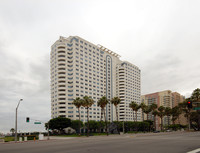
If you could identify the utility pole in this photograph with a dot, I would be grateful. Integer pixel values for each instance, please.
(16, 120)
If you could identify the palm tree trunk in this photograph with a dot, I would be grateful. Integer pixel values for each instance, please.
(88, 126)
(117, 119)
(79, 121)
(142, 116)
(136, 121)
(154, 122)
(133, 117)
(116, 113)
(168, 121)
(136, 115)
(105, 121)
(161, 123)
(147, 116)
(101, 120)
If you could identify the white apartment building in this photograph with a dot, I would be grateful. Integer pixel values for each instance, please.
(80, 68)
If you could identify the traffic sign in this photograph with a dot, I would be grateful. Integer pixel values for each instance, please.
(196, 108)
(37, 122)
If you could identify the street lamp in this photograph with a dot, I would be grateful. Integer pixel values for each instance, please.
(16, 120)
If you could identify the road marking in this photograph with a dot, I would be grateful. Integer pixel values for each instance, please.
(194, 151)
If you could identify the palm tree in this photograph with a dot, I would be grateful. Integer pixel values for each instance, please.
(155, 113)
(153, 107)
(87, 103)
(175, 112)
(134, 106)
(102, 102)
(161, 113)
(186, 110)
(116, 101)
(143, 106)
(12, 130)
(196, 95)
(78, 103)
(168, 112)
(196, 98)
(147, 110)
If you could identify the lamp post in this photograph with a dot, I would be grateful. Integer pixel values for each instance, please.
(16, 120)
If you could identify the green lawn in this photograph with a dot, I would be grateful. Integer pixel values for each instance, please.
(7, 139)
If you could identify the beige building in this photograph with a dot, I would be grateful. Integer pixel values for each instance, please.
(164, 98)
(80, 68)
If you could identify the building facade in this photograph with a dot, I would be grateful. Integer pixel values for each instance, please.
(165, 98)
(80, 68)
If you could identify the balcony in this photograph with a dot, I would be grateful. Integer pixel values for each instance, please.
(70, 82)
(61, 52)
(61, 60)
(62, 97)
(70, 53)
(62, 107)
(61, 55)
(61, 75)
(61, 81)
(61, 90)
(70, 65)
(61, 103)
(61, 87)
(70, 61)
(70, 78)
(70, 57)
(61, 47)
(62, 72)
(61, 112)
(61, 68)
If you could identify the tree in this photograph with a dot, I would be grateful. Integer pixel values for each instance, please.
(78, 103)
(12, 130)
(168, 112)
(153, 107)
(155, 113)
(102, 102)
(196, 98)
(186, 110)
(147, 110)
(116, 101)
(196, 95)
(175, 113)
(143, 107)
(100, 124)
(161, 113)
(59, 123)
(135, 107)
(87, 103)
(194, 120)
(77, 124)
(93, 125)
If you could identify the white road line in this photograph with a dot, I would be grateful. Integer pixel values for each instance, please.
(194, 151)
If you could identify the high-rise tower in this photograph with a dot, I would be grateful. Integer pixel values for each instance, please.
(80, 68)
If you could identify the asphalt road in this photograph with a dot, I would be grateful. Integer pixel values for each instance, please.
(147, 143)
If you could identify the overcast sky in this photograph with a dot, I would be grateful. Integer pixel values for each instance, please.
(161, 37)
